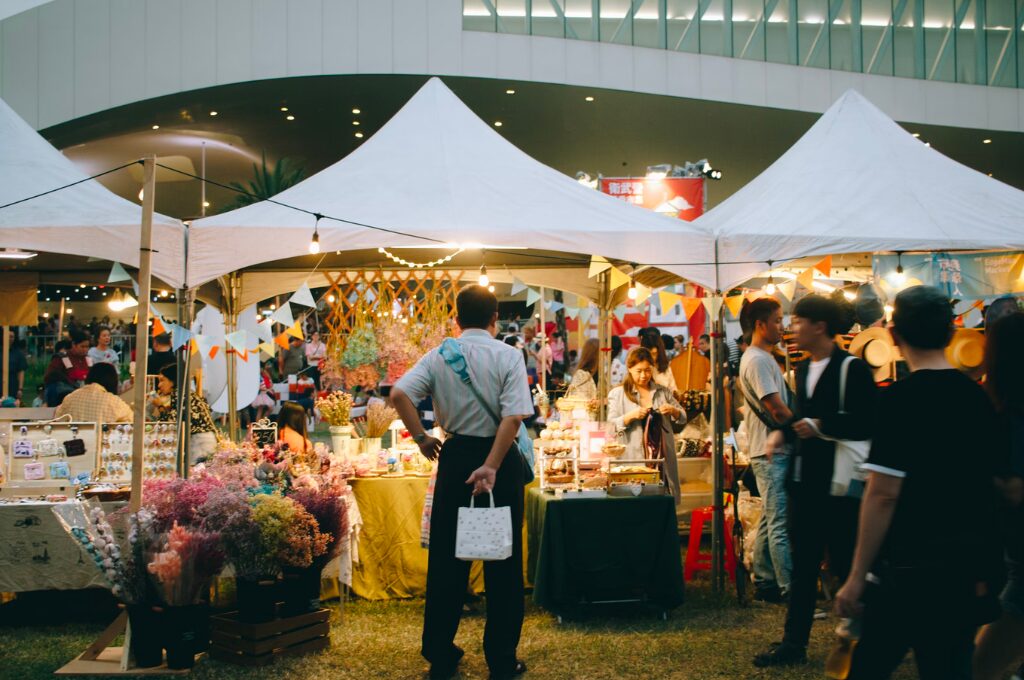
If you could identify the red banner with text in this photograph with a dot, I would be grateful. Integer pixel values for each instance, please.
(681, 197)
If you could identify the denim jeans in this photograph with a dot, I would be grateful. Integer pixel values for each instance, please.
(773, 564)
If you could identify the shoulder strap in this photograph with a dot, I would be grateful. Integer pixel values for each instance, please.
(844, 371)
(451, 352)
(757, 409)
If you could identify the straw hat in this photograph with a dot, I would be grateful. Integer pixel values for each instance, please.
(966, 351)
(876, 348)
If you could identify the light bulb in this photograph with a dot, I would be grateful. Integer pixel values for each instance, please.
(770, 288)
(331, 298)
(484, 280)
(314, 244)
(490, 289)
(632, 292)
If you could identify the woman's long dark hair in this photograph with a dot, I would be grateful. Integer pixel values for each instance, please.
(650, 338)
(636, 355)
(1004, 364)
(293, 416)
(589, 357)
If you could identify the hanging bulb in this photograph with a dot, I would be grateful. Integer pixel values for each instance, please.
(770, 287)
(632, 292)
(484, 280)
(314, 244)
(490, 288)
(898, 277)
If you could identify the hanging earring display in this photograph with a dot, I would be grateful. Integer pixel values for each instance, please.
(160, 451)
(23, 447)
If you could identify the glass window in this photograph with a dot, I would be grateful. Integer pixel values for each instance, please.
(777, 37)
(683, 32)
(511, 16)
(748, 29)
(812, 41)
(617, 21)
(477, 17)
(648, 26)
(966, 43)
(938, 41)
(904, 36)
(548, 18)
(711, 36)
(876, 36)
(841, 41)
(579, 20)
(1000, 39)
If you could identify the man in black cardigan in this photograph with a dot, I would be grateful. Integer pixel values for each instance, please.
(820, 521)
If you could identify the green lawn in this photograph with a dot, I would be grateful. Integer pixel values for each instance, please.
(708, 637)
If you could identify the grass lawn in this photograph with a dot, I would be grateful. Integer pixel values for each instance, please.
(708, 637)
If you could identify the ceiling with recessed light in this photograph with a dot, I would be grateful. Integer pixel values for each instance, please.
(316, 121)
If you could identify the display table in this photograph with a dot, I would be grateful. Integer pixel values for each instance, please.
(603, 550)
(37, 554)
(391, 563)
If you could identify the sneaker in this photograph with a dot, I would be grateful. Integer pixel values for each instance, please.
(820, 614)
(782, 655)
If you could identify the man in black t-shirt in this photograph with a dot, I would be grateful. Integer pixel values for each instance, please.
(162, 354)
(926, 551)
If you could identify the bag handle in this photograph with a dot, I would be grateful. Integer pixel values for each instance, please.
(451, 351)
(844, 370)
(472, 500)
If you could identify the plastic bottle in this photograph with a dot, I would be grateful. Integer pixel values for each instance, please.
(837, 666)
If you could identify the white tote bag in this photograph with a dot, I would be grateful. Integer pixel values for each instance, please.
(484, 533)
(848, 475)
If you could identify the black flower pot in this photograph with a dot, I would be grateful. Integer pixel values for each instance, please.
(185, 629)
(257, 600)
(146, 647)
(300, 591)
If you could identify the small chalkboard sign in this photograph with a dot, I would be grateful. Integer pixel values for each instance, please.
(263, 433)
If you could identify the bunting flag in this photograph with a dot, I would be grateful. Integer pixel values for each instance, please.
(735, 305)
(243, 354)
(268, 348)
(620, 312)
(585, 313)
(214, 350)
(713, 305)
(283, 315)
(642, 293)
(825, 266)
(572, 312)
(619, 277)
(754, 294)
(118, 273)
(668, 300)
(158, 325)
(788, 289)
(597, 265)
(206, 345)
(532, 295)
(265, 330)
(193, 346)
(135, 287)
(282, 340)
(296, 331)
(555, 306)
(237, 340)
(690, 305)
(517, 286)
(179, 336)
(303, 296)
(806, 279)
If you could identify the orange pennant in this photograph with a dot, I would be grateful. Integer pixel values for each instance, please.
(735, 305)
(806, 278)
(214, 350)
(194, 346)
(158, 326)
(243, 355)
(282, 340)
(825, 266)
(754, 294)
(690, 305)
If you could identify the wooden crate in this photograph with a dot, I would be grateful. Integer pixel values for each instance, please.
(258, 644)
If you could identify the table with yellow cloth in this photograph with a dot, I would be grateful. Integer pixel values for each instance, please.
(391, 562)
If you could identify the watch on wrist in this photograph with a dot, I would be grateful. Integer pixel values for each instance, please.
(420, 438)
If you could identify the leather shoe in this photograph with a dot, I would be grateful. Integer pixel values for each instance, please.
(785, 654)
(444, 671)
(518, 669)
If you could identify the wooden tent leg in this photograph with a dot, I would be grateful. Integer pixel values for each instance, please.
(118, 626)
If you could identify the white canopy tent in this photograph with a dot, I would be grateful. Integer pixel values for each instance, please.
(85, 220)
(858, 182)
(439, 175)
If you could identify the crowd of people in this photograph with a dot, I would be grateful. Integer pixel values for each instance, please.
(925, 534)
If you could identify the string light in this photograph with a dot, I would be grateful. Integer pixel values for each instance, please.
(484, 280)
(314, 244)
(770, 288)
(490, 288)
(419, 265)
(898, 277)
(632, 293)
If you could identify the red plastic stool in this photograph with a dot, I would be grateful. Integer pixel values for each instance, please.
(700, 561)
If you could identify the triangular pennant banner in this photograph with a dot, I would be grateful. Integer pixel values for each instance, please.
(283, 315)
(668, 300)
(532, 296)
(555, 306)
(806, 278)
(158, 325)
(237, 340)
(712, 305)
(265, 330)
(179, 336)
(206, 344)
(753, 295)
(118, 273)
(619, 277)
(243, 355)
(517, 286)
(296, 331)
(735, 305)
(282, 340)
(825, 266)
(268, 348)
(597, 265)
(788, 289)
(690, 305)
(214, 350)
(585, 314)
(620, 312)
(303, 296)
(193, 346)
(572, 312)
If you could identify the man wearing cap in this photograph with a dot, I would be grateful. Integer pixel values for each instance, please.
(478, 456)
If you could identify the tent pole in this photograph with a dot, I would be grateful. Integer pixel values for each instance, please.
(141, 329)
(7, 362)
(717, 422)
(230, 322)
(60, 321)
(184, 380)
(603, 341)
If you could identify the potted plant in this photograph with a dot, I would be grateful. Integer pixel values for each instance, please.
(379, 417)
(325, 504)
(336, 409)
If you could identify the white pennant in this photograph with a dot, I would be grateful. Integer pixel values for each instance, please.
(265, 330)
(572, 312)
(620, 312)
(283, 315)
(517, 286)
(303, 296)
(531, 296)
